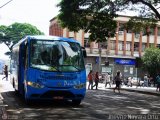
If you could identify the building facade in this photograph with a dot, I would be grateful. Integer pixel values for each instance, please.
(122, 51)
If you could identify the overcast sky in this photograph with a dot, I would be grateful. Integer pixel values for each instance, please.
(35, 12)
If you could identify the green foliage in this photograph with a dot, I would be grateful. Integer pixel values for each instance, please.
(92, 16)
(96, 16)
(151, 60)
(15, 32)
(137, 24)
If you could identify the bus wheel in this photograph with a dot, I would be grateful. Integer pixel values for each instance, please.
(76, 102)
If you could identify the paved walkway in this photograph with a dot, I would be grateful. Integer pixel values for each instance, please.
(144, 90)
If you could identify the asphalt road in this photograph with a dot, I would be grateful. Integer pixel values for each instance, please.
(97, 105)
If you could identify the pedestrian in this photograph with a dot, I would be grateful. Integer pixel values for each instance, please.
(117, 81)
(96, 80)
(158, 82)
(107, 79)
(90, 79)
(5, 70)
(129, 84)
(145, 81)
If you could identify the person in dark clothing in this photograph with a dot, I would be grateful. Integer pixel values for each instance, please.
(117, 81)
(96, 80)
(158, 82)
(5, 72)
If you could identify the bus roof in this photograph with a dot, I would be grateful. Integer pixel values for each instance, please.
(44, 37)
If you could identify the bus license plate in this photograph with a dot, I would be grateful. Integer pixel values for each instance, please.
(58, 98)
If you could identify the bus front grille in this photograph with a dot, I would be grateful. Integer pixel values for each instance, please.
(52, 94)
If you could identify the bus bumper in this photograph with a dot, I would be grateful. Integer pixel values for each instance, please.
(56, 93)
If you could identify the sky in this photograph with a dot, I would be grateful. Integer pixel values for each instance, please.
(34, 12)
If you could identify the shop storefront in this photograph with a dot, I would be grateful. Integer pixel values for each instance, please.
(126, 66)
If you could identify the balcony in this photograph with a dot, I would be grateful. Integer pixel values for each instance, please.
(95, 51)
(111, 53)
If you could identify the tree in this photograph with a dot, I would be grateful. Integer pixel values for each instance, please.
(13, 33)
(89, 15)
(151, 60)
(96, 16)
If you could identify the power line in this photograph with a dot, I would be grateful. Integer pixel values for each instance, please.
(6, 4)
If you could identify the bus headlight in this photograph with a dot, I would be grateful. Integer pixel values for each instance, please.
(34, 84)
(80, 86)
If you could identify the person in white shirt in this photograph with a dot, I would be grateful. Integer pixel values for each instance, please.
(107, 79)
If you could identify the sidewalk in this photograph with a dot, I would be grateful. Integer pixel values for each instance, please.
(3, 88)
(144, 90)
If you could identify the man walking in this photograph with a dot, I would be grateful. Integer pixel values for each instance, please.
(5, 72)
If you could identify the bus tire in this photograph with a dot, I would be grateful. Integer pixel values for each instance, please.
(76, 102)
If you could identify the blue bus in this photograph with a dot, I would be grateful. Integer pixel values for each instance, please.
(48, 68)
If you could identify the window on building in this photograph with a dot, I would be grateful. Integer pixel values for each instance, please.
(129, 31)
(137, 35)
(152, 31)
(112, 45)
(158, 46)
(158, 31)
(86, 42)
(104, 45)
(128, 46)
(144, 45)
(71, 37)
(120, 45)
(121, 29)
(151, 45)
(121, 26)
(136, 46)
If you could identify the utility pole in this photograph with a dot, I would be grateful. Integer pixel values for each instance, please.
(100, 51)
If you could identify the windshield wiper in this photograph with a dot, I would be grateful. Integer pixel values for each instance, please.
(56, 68)
(76, 67)
(72, 66)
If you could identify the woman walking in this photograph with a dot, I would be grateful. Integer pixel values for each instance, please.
(117, 81)
(90, 79)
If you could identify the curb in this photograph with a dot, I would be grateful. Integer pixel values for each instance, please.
(144, 92)
(140, 91)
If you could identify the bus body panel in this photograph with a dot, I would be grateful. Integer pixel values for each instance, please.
(73, 84)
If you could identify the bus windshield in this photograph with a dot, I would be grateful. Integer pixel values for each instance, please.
(56, 55)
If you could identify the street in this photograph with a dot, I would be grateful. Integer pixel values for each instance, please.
(97, 105)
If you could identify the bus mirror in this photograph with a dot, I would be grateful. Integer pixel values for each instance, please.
(84, 52)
